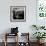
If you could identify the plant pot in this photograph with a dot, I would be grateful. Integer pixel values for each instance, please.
(40, 40)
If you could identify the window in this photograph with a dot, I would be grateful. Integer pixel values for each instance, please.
(41, 8)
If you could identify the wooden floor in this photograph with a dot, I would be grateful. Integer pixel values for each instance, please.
(13, 44)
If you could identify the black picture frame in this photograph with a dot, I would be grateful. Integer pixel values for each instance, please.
(17, 13)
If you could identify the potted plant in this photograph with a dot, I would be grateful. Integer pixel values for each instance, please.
(38, 27)
(39, 35)
(35, 26)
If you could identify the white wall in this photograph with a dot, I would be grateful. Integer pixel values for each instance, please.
(5, 23)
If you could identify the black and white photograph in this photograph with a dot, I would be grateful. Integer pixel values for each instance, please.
(17, 13)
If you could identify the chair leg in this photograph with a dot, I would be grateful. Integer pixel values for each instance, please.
(5, 43)
(5, 40)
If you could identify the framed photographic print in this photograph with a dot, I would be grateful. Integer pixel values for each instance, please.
(17, 13)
